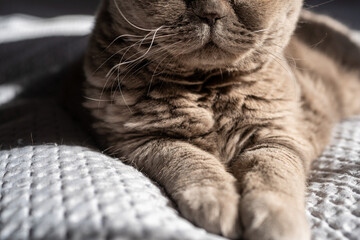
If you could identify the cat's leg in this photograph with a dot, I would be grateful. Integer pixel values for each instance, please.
(272, 186)
(203, 190)
(331, 37)
(326, 42)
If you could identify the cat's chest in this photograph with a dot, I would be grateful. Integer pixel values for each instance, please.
(217, 120)
(232, 119)
(198, 113)
(231, 107)
(222, 107)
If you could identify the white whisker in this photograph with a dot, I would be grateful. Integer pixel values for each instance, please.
(133, 25)
(121, 36)
(141, 57)
(261, 30)
(97, 100)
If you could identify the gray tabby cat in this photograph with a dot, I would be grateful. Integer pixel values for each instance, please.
(222, 103)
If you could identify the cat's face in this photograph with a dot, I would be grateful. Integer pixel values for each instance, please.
(212, 33)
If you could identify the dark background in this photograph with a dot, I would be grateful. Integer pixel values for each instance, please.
(348, 11)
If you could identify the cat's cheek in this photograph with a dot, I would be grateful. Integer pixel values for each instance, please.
(170, 11)
(161, 12)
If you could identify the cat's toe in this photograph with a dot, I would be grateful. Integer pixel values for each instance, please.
(212, 208)
(271, 216)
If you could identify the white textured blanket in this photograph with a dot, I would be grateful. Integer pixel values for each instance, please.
(53, 187)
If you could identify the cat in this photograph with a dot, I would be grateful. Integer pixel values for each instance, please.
(224, 103)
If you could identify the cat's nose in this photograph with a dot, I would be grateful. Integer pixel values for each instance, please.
(210, 17)
(210, 11)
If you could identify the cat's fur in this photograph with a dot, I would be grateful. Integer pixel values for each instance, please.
(220, 103)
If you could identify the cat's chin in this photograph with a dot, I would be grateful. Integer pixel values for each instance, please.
(209, 57)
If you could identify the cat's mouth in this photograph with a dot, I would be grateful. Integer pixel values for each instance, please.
(212, 36)
(217, 43)
(211, 45)
(213, 48)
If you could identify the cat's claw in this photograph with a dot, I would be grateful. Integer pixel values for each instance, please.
(213, 208)
(268, 216)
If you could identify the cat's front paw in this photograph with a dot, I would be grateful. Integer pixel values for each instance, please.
(213, 208)
(271, 216)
